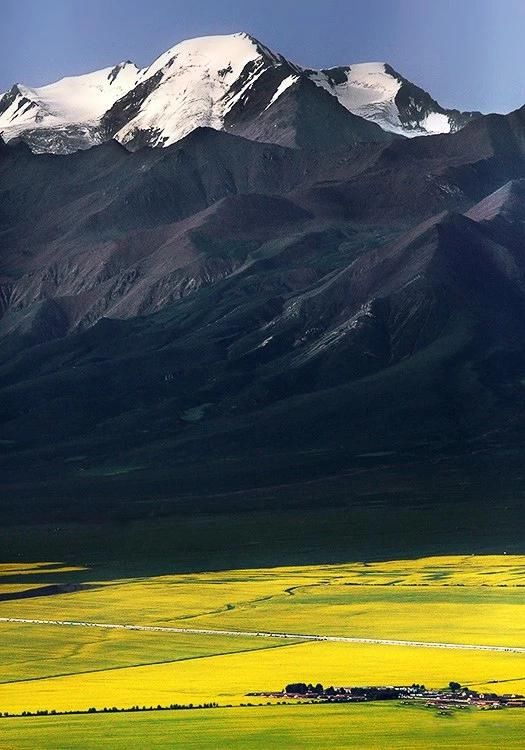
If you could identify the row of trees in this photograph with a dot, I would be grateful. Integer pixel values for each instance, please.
(112, 709)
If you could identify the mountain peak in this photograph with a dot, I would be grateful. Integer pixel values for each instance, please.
(201, 82)
(375, 91)
(212, 53)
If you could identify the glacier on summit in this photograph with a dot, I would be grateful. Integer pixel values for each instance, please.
(205, 82)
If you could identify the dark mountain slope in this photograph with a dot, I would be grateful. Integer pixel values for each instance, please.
(226, 316)
(81, 229)
(415, 347)
(411, 179)
(306, 116)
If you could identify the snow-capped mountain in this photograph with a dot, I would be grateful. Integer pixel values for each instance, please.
(64, 116)
(198, 83)
(376, 92)
(230, 82)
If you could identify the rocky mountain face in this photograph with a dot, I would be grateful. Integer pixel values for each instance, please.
(231, 83)
(226, 315)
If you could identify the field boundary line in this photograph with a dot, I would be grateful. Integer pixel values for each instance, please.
(161, 663)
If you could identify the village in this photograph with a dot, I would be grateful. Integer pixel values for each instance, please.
(455, 696)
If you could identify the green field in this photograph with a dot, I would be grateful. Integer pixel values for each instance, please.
(29, 652)
(457, 599)
(372, 528)
(227, 679)
(471, 599)
(370, 727)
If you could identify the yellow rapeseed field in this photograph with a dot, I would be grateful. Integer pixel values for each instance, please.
(32, 651)
(227, 679)
(40, 568)
(473, 600)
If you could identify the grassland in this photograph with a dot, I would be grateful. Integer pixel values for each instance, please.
(473, 599)
(366, 727)
(227, 679)
(30, 652)
(223, 536)
(11, 572)
(469, 599)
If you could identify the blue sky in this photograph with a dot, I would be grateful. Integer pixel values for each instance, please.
(468, 53)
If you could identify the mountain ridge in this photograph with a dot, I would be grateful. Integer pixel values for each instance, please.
(217, 324)
(219, 82)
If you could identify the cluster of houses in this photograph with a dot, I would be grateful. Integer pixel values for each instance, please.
(453, 697)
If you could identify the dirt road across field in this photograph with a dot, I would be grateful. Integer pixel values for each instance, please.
(265, 634)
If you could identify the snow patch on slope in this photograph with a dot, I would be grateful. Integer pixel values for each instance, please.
(436, 122)
(369, 90)
(366, 90)
(361, 85)
(282, 88)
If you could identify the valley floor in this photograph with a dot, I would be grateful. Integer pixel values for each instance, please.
(368, 727)
(194, 638)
